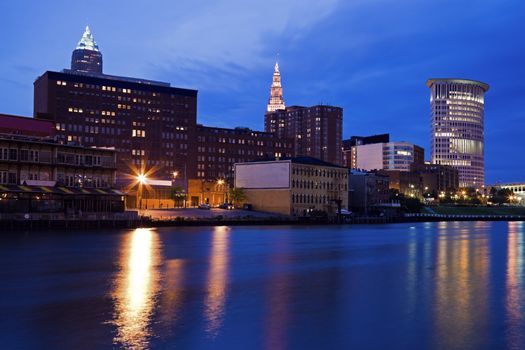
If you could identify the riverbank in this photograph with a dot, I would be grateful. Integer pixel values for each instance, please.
(220, 217)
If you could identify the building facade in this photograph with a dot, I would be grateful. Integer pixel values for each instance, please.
(367, 190)
(276, 101)
(437, 178)
(212, 192)
(293, 186)
(33, 160)
(316, 131)
(87, 57)
(150, 124)
(43, 179)
(218, 149)
(457, 127)
(399, 156)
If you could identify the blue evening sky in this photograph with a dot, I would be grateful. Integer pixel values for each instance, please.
(371, 57)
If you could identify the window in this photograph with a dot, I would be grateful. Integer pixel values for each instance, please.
(24, 155)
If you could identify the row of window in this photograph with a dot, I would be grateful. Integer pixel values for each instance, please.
(315, 185)
(311, 199)
(303, 171)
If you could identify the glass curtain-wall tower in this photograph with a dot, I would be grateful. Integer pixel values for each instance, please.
(457, 127)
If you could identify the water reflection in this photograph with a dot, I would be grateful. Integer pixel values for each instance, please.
(514, 284)
(279, 296)
(461, 307)
(217, 280)
(173, 295)
(136, 287)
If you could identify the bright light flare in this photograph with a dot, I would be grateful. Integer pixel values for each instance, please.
(141, 178)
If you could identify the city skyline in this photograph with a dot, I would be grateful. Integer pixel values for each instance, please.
(348, 74)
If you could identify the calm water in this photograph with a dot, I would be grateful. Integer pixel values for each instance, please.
(418, 286)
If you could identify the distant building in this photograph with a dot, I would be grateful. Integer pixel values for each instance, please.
(437, 178)
(87, 57)
(368, 191)
(457, 127)
(388, 156)
(219, 148)
(408, 183)
(276, 101)
(517, 187)
(365, 140)
(316, 130)
(293, 186)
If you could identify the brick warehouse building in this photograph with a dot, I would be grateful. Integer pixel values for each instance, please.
(316, 131)
(219, 148)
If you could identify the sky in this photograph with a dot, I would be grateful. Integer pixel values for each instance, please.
(370, 57)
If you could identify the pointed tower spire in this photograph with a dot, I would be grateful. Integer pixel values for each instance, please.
(276, 100)
(87, 57)
(87, 42)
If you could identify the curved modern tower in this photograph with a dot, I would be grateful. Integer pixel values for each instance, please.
(87, 57)
(457, 127)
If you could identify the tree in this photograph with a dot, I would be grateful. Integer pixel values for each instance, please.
(237, 195)
(500, 196)
(178, 195)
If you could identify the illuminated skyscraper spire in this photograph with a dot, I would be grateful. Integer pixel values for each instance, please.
(276, 100)
(87, 57)
(87, 42)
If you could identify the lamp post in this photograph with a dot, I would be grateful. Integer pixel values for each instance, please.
(141, 179)
(220, 182)
(174, 184)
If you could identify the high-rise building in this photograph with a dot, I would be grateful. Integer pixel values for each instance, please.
(150, 124)
(316, 130)
(276, 101)
(457, 127)
(87, 57)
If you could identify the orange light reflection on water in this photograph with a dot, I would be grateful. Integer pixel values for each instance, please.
(136, 287)
(217, 280)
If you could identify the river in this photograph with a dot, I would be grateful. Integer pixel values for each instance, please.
(449, 285)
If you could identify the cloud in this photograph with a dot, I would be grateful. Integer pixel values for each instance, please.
(233, 36)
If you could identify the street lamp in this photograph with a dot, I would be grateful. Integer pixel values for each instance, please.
(141, 179)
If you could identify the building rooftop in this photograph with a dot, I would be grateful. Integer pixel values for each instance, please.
(18, 125)
(484, 86)
(122, 82)
(299, 160)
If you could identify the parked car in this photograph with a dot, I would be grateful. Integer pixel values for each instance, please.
(346, 212)
(226, 206)
(205, 206)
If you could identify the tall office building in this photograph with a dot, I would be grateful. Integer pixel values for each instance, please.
(457, 127)
(316, 130)
(87, 57)
(150, 124)
(276, 101)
